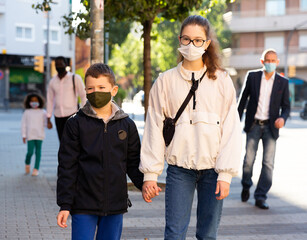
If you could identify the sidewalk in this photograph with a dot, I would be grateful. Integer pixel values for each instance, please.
(28, 204)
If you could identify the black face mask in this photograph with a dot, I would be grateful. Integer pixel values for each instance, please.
(99, 99)
(61, 70)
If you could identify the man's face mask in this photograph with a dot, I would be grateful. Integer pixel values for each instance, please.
(99, 99)
(269, 67)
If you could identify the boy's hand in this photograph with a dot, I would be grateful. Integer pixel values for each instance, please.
(150, 189)
(24, 140)
(222, 190)
(62, 218)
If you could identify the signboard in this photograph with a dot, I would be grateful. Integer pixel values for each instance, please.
(1, 74)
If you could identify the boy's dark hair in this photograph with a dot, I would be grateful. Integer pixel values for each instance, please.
(100, 69)
(27, 100)
(61, 58)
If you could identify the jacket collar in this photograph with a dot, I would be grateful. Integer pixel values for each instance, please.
(187, 74)
(89, 111)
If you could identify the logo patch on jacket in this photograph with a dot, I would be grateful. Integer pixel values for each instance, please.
(122, 134)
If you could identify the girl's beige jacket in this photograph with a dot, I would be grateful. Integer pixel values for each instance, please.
(206, 137)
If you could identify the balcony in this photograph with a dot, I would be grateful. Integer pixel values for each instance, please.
(249, 58)
(256, 21)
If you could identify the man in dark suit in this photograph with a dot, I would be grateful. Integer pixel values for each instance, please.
(268, 108)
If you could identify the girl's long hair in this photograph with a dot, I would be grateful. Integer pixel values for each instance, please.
(211, 57)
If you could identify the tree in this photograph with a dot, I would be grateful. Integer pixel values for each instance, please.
(145, 12)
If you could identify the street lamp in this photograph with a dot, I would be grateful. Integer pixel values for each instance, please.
(287, 45)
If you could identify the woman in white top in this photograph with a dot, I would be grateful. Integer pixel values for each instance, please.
(204, 153)
(33, 123)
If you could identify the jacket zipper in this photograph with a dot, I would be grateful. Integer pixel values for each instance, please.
(106, 167)
(105, 128)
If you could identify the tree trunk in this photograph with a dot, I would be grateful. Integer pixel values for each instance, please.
(97, 31)
(147, 25)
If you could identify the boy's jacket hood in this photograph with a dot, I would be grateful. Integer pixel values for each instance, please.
(88, 110)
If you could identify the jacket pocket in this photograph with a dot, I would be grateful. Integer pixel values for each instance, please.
(208, 131)
(197, 138)
(206, 118)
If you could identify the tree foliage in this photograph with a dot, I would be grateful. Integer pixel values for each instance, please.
(146, 12)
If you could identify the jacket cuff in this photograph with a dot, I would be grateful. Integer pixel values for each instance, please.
(65, 208)
(150, 177)
(225, 177)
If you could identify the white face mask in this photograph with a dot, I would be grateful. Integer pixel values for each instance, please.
(190, 52)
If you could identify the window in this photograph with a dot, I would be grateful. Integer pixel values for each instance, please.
(275, 7)
(24, 32)
(303, 41)
(276, 42)
(54, 35)
(303, 5)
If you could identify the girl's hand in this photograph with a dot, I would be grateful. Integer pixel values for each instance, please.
(150, 189)
(62, 218)
(24, 140)
(222, 190)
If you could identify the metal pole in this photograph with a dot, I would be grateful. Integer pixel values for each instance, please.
(72, 46)
(287, 46)
(7, 88)
(47, 75)
(106, 54)
(97, 31)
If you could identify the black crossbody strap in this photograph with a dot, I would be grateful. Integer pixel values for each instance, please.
(73, 82)
(188, 98)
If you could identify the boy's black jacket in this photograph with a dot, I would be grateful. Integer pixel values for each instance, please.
(93, 161)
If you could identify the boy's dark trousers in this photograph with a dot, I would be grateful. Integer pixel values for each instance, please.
(60, 124)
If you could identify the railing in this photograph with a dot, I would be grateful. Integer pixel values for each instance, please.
(257, 51)
(262, 13)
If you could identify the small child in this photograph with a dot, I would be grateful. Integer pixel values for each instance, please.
(99, 146)
(32, 129)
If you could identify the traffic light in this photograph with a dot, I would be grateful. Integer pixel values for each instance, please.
(53, 69)
(39, 63)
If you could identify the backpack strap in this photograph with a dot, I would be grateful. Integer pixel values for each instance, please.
(73, 82)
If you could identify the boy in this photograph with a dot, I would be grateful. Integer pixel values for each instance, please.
(100, 144)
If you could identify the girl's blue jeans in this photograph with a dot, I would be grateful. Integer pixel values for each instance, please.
(108, 227)
(180, 188)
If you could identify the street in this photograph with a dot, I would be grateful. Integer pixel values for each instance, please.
(28, 204)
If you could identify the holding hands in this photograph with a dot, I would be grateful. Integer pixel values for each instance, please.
(150, 189)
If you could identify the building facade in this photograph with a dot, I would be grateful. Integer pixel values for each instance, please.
(260, 24)
(23, 35)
